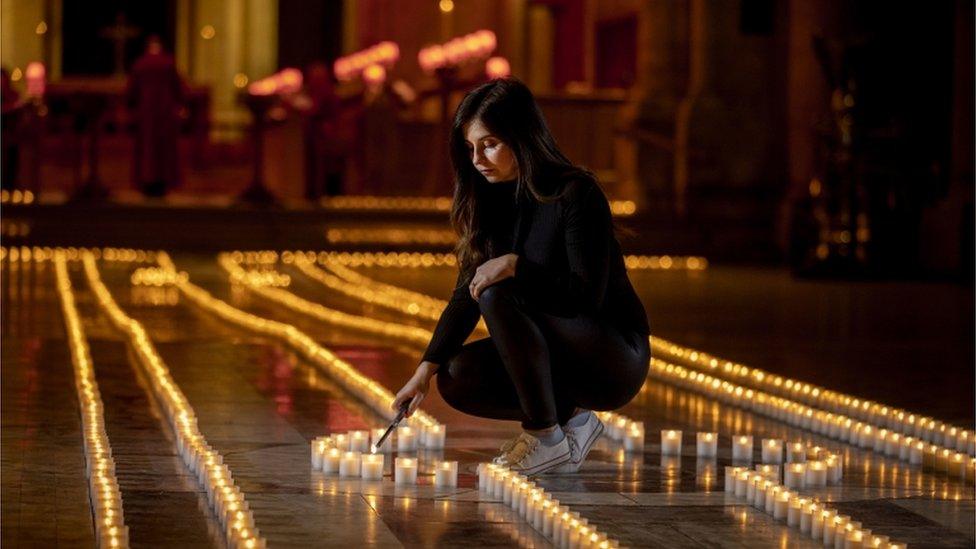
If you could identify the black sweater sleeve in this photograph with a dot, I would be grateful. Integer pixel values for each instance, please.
(588, 229)
(456, 323)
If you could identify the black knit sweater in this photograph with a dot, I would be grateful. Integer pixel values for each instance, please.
(569, 262)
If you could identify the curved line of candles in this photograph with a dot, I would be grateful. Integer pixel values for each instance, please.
(809, 516)
(371, 392)
(214, 476)
(320, 312)
(856, 434)
(887, 417)
(556, 521)
(103, 486)
(42, 254)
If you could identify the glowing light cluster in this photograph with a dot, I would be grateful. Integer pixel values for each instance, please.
(368, 293)
(226, 499)
(16, 196)
(285, 81)
(429, 204)
(457, 51)
(363, 387)
(388, 259)
(497, 67)
(665, 263)
(321, 313)
(556, 521)
(391, 236)
(380, 56)
(106, 498)
(885, 417)
(154, 276)
(42, 254)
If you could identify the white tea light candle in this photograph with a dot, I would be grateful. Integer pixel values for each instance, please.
(435, 437)
(707, 445)
(406, 439)
(330, 461)
(772, 450)
(445, 474)
(670, 442)
(634, 437)
(795, 475)
(372, 467)
(349, 465)
(742, 446)
(405, 471)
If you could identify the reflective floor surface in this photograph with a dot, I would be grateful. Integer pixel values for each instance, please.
(259, 406)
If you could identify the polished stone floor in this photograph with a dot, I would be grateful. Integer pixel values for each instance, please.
(907, 344)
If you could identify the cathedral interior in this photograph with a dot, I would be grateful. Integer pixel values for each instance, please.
(226, 242)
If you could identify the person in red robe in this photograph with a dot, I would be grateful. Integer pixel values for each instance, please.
(155, 93)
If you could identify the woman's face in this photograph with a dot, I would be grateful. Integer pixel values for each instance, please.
(490, 156)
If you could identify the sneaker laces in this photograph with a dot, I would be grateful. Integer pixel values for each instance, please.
(574, 447)
(522, 447)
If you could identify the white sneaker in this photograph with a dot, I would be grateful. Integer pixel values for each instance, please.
(501, 458)
(581, 440)
(527, 456)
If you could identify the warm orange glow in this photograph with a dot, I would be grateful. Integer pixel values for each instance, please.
(384, 54)
(374, 75)
(458, 50)
(35, 79)
(497, 67)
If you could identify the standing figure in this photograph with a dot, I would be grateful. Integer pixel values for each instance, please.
(540, 262)
(156, 93)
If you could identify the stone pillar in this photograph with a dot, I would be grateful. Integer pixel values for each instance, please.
(709, 118)
(649, 117)
(540, 49)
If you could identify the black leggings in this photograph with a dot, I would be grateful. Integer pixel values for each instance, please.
(537, 368)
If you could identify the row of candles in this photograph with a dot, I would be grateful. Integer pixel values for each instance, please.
(887, 417)
(226, 499)
(409, 438)
(346, 456)
(105, 495)
(413, 334)
(428, 204)
(931, 457)
(799, 473)
(435, 260)
(46, 253)
(368, 390)
(565, 528)
(762, 489)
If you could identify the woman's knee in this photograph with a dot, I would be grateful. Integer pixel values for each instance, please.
(495, 296)
(454, 381)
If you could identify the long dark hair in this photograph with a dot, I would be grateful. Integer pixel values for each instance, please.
(508, 110)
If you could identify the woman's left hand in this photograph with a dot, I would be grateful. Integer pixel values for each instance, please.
(490, 272)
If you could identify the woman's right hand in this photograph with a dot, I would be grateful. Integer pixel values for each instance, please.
(416, 388)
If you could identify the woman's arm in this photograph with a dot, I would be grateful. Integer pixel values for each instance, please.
(587, 237)
(455, 324)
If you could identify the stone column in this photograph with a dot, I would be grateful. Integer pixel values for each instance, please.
(648, 119)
